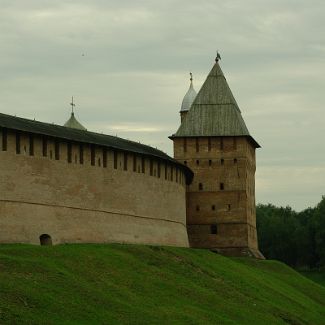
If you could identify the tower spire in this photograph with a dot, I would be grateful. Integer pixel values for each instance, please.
(72, 106)
(72, 122)
(188, 98)
(218, 56)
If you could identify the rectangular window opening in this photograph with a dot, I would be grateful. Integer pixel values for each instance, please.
(81, 154)
(31, 145)
(92, 155)
(222, 186)
(200, 186)
(213, 229)
(57, 150)
(18, 143)
(44, 147)
(125, 163)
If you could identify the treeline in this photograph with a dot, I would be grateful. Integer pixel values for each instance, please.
(297, 239)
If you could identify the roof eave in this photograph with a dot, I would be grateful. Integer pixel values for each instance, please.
(252, 140)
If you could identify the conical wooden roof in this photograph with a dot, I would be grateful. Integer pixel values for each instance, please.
(214, 111)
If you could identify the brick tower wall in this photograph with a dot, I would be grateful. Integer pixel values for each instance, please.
(221, 199)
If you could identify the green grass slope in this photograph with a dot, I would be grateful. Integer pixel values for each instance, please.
(317, 276)
(132, 284)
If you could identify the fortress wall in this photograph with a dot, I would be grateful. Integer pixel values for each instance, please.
(108, 197)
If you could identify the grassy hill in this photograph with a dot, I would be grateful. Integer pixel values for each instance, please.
(132, 284)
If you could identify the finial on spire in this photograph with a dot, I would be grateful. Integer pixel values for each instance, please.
(191, 74)
(72, 105)
(218, 57)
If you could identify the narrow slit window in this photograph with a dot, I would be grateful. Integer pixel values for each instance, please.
(222, 186)
(221, 144)
(222, 161)
(4, 139)
(210, 162)
(213, 229)
(125, 163)
(235, 161)
(57, 150)
(200, 186)
(92, 155)
(31, 145)
(44, 147)
(69, 152)
(197, 208)
(213, 207)
(81, 154)
(198, 162)
(229, 207)
(197, 145)
(18, 143)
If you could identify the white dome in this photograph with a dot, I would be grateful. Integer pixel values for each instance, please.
(188, 98)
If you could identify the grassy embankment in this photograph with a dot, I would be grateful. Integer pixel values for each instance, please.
(131, 284)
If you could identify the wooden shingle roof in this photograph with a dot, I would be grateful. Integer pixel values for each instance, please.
(214, 111)
(84, 136)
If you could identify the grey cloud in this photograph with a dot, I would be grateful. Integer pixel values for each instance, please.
(134, 71)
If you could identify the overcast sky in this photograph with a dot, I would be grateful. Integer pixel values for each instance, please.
(127, 65)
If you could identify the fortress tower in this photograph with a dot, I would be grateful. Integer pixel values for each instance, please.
(214, 142)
